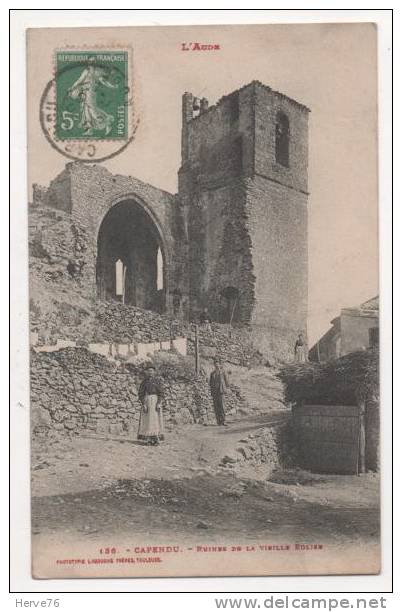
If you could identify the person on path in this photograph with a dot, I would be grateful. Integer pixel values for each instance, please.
(205, 320)
(150, 393)
(300, 349)
(218, 384)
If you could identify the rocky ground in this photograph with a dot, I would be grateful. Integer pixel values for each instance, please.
(205, 486)
(94, 483)
(197, 485)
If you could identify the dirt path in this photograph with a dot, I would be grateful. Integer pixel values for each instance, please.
(112, 488)
(260, 387)
(92, 462)
(212, 508)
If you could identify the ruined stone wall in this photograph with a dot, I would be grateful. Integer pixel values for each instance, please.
(219, 142)
(277, 224)
(240, 221)
(62, 304)
(39, 193)
(268, 104)
(54, 239)
(220, 253)
(59, 301)
(58, 194)
(218, 152)
(91, 191)
(248, 220)
(229, 256)
(77, 390)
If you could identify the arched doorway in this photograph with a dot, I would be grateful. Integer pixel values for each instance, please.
(130, 266)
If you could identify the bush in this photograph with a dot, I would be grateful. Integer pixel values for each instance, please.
(347, 380)
(173, 366)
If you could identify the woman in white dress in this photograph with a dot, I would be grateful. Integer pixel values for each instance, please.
(150, 393)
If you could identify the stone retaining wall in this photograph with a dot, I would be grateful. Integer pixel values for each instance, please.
(75, 390)
(271, 447)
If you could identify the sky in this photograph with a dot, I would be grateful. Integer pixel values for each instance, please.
(331, 68)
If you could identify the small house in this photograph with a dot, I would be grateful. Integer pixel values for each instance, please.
(353, 330)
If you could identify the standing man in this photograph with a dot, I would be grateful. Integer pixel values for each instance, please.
(218, 383)
(150, 394)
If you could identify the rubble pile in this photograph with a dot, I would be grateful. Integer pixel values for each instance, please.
(231, 344)
(271, 447)
(56, 244)
(59, 305)
(116, 322)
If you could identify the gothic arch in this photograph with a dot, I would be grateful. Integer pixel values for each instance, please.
(130, 232)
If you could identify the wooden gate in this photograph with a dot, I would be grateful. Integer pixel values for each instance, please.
(328, 438)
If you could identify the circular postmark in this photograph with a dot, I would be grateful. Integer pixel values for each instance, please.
(87, 109)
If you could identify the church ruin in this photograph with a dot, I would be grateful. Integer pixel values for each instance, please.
(234, 237)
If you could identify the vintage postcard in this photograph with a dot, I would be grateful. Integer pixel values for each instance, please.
(204, 301)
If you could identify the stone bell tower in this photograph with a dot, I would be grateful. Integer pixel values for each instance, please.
(243, 185)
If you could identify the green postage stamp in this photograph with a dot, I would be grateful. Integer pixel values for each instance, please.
(92, 95)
